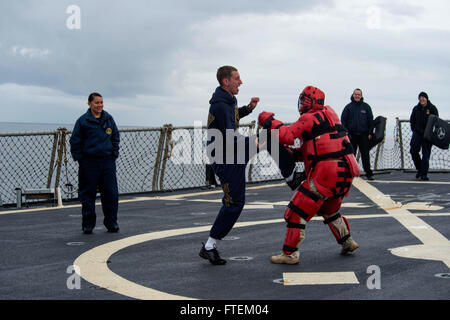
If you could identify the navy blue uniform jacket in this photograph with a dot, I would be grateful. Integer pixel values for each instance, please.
(357, 117)
(419, 117)
(95, 138)
(224, 114)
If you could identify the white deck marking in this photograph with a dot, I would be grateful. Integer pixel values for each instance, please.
(94, 268)
(138, 199)
(316, 278)
(408, 182)
(93, 265)
(435, 246)
(264, 205)
(422, 206)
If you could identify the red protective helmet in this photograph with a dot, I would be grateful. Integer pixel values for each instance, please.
(311, 98)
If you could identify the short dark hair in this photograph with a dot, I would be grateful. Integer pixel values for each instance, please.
(358, 90)
(224, 72)
(93, 95)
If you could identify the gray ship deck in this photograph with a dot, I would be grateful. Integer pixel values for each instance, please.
(402, 226)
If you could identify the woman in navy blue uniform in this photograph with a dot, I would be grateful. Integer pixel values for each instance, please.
(94, 144)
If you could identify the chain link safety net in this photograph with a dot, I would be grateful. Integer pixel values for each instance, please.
(159, 159)
(26, 159)
(439, 159)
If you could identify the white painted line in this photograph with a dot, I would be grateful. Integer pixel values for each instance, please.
(435, 246)
(48, 209)
(354, 205)
(317, 278)
(93, 265)
(94, 268)
(422, 206)
(409, 182)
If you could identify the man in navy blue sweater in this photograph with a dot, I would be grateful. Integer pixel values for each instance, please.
(418, 120)
(224, 116)
(94, 144)
(357, 118)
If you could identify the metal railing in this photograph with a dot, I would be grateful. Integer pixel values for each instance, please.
(149, 160)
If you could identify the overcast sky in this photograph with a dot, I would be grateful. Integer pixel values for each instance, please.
(155, 62)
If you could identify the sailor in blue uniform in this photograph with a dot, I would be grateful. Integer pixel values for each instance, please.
(224, 115)
(94, 144)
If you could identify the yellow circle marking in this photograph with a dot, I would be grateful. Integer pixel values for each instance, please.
(93, 263)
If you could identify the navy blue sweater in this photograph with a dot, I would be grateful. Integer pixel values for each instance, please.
(224, 114)
(419, 117)
(357, 117)
(95, 138)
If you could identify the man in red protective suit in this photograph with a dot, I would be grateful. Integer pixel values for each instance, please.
(330, 167)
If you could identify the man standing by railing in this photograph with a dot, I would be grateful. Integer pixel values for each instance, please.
(357, 118)
(418, 120)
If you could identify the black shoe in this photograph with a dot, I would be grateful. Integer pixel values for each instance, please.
(87, 230)
(113, 229)
(297, 180)
(211, 255)
(418, 176)
(371, 178)
(424, 178)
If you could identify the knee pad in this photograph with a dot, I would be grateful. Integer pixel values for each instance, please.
(339, 226)
(304, 204)
(295, 234)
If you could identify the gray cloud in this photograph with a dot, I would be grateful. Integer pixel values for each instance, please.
(122, 49)
(155, 61)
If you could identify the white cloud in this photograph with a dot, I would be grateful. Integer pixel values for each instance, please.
(279, 54)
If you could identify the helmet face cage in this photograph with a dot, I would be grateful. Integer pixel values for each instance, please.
(310, 98)
(304, 103)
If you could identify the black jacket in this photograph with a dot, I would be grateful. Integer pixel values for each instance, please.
(357, 117)
(419, 117)
(95, 138)
(224, 114)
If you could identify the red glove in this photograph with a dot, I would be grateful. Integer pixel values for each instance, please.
(264, 116)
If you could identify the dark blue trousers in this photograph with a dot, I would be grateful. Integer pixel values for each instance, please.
(422, 164)
(232, 180)
(99, 173)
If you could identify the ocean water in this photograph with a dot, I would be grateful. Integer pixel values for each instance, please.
(28, 127)
(24, 127)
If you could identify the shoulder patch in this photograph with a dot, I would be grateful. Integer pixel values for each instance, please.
(211, 118)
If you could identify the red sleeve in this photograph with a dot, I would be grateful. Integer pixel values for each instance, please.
(287, 134)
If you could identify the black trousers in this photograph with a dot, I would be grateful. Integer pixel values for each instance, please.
(362, 141)
(422, 164)
(99, 173)
(232, 180)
